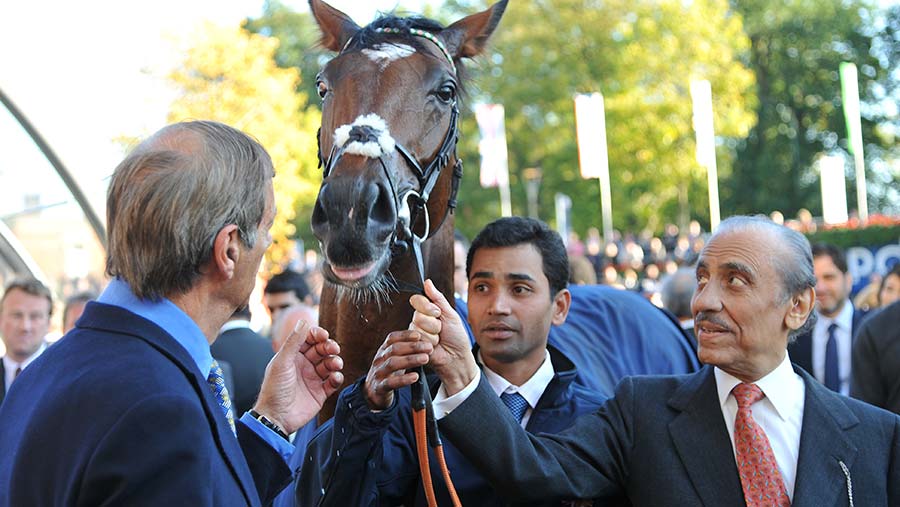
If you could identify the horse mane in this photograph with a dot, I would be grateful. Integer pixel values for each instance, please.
(369, 36)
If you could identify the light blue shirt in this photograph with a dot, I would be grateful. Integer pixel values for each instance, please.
(165, 314)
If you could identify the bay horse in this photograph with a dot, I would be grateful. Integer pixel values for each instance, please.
(387, 147)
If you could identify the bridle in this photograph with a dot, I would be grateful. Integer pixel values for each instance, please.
(404, 239)
(412, 203)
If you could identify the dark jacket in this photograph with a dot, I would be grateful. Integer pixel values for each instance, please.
(663, 441)
(876, 360)
(362, 458)
(117, 413)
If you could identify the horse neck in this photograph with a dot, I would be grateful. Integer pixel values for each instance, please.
(361, 327)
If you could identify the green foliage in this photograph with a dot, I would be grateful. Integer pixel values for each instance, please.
(642, 56)
(797, 46)
(847, 238)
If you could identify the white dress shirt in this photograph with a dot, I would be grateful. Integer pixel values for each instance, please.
(779, 414)
(531, 390)
(842, 334)
(10, 366)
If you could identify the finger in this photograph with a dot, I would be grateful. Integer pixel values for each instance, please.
(438, 299)
(328, 366)
(297, 336)
(393, 365)
(311, 337)
(425, 323)
(395, 382)
(322, 350)
(333, 383)
(424, 306)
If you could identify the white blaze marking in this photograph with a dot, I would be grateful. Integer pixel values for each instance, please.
(368, 149)
(384, 54)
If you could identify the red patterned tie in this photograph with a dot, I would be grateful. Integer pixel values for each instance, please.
(760, 478)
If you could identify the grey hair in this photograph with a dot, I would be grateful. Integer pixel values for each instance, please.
(794, 263)
(677, 291)
(171, 196)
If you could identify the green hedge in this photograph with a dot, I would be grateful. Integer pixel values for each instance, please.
(845, 238)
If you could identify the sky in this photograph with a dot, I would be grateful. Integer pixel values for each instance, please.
(86, 73)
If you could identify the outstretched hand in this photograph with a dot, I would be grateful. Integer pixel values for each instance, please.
(439, 323)
(305, 372)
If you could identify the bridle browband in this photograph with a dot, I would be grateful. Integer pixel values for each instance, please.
(404, 238)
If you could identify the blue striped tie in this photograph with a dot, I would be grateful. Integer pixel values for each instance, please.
(516, 404)
(216, 383)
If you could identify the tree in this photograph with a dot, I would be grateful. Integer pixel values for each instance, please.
(642, 56)
(796, 49)
(229, 75)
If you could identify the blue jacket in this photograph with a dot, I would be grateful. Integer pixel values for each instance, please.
(361, 458)
(117, 413)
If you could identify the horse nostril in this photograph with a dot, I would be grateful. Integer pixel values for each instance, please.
(383, 210)
(319, 219)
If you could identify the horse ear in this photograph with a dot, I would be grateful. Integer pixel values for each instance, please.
(337, 27)
(468, 36)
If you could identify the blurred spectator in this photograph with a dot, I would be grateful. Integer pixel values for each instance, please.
(777, 217)
(25, 310)
(807, 224)
(581, 271)
(284, 290)
(287, 319)
(890, 287)
(867, 297)
(676, 291)
(248, 354)
(460, 280)
(824, 352)
(74, 307)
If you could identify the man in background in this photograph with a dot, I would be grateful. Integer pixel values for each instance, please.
(284, 290)
(676, 293)
(74, 308)
(25, 310)
(876, 359)
(247, 352)
(825, 351)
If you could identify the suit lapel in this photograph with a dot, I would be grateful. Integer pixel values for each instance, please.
(120, 321)
(823, 445)
(702, 442)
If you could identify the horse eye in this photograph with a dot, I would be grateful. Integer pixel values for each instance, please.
(321, 88)
(446, 93)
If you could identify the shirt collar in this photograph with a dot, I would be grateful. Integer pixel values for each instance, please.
(773, 385)
(9, 364)
(235, 324)
(844, 320)
(531, 390)
(165, 314)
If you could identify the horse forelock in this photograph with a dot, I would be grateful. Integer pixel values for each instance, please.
(370, 37)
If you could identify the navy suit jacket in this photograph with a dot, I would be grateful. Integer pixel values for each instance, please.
(663, 441)
(117, 413)
(800, 350)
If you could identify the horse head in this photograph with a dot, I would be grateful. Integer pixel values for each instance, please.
(387, 144)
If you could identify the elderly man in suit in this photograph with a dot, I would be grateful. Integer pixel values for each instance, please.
(748, 429)
(130, 408)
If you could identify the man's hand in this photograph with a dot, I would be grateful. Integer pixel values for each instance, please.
(305, 372)
(439, 323)
(401, 350)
